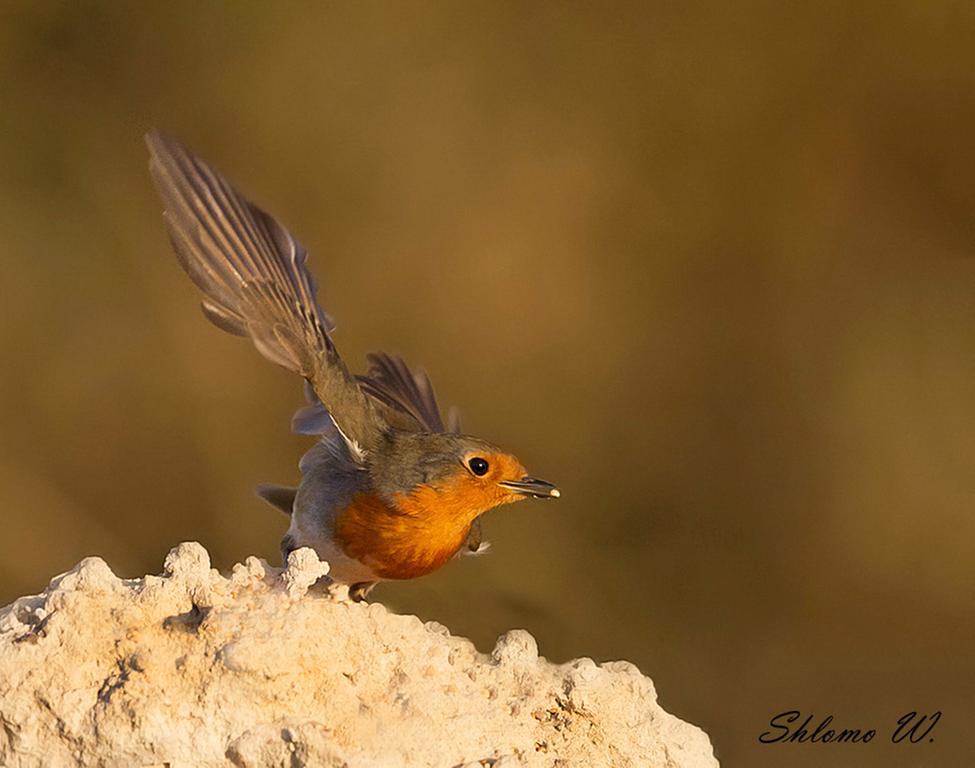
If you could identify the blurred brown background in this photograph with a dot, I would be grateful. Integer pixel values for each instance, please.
(706, 265)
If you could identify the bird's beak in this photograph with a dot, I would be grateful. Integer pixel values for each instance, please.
(538, 489)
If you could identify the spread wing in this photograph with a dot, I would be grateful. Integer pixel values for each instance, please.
(392, 383)
(256, 283)
(405, 399)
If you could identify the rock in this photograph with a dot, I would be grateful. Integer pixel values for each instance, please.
(265, 669)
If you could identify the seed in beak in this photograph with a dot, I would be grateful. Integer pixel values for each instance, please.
(530, 486)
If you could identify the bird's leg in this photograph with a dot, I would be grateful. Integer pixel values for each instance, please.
(359, 590)
(287, 547)
(475, 537)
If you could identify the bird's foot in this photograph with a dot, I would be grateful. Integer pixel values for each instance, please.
(359, 590)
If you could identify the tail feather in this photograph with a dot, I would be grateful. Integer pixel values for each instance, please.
(278, 496)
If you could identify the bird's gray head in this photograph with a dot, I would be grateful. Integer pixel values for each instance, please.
(456, 463)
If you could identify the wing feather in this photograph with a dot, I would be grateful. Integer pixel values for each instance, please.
(391, 382)
(256, 281)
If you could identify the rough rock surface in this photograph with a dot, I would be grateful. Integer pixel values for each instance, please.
(265, 669)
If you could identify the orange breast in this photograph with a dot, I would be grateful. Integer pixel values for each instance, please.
(416, 535)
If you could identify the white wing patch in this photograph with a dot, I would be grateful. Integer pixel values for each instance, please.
(358, 452)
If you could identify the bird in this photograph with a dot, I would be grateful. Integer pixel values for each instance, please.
(390, 490)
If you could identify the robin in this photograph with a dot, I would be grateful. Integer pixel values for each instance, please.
(389, 491)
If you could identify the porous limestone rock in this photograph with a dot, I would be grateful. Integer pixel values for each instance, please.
(266, 668)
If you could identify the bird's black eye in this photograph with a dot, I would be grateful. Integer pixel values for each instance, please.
(478, 466)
